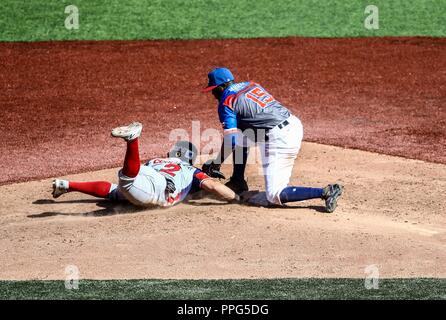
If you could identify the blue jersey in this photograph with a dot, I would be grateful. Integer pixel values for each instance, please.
(247, 105)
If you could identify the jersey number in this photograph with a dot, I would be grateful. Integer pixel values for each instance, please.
(259, 96)
(170, 169)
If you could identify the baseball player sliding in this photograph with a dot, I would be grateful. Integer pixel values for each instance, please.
(161, 182)
(248, 106)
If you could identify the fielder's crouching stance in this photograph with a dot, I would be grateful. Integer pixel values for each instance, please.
(161, 182)
(247, 106)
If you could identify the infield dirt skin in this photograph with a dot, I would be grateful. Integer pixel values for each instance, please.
(388, 216)
(59, 101)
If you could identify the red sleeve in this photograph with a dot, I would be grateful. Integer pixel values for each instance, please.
(201, 176)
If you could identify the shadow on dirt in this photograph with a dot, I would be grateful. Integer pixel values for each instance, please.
(205, 204)
(256, 198)
(252, 198)
(109, 208)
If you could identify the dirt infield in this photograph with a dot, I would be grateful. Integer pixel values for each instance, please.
(391, 215)
(58, 102)
(59, 99)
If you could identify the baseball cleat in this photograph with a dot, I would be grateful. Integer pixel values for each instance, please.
(128, 133)
(59, 187)
(237, 185)
(331, 194)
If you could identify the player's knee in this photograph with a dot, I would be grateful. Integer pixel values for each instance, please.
(125, 183)
(115, 194)
(127, 191)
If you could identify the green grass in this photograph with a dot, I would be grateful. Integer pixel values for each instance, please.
(277, 289)
(33, 20)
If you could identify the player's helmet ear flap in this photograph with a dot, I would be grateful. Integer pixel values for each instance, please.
(185, 151)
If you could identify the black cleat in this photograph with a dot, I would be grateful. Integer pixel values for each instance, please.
(237, 185)
(331, 194)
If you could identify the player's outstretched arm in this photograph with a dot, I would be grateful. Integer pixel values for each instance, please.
(220, 190)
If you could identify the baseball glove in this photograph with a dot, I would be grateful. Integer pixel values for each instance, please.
(212, 169)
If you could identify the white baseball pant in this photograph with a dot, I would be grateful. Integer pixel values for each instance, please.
(278, 155)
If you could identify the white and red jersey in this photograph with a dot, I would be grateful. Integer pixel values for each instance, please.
(180, 173)
(149, 186)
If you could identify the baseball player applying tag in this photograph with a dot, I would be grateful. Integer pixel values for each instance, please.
(247, 106)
